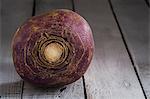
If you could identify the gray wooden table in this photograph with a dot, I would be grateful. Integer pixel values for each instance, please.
(120, 68)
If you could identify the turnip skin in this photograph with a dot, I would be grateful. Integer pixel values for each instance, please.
(64, 26)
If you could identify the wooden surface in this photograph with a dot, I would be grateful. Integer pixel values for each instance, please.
(112, 73)
(14, 13)
(135, 28)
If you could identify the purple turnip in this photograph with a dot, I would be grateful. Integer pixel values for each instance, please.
(53, 49)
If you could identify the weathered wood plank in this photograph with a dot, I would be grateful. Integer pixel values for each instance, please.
(111, 75)
(14, 12)
(133, 17)
(72, 91)
(47, 5)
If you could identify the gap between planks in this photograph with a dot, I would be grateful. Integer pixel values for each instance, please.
(126, 46)
(147, 3)
(112, 65)
(136, 33)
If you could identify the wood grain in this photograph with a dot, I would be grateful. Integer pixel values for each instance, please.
(14, 12)
(72, 91)
(111, 75)
(47, 5)
(135, 27)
